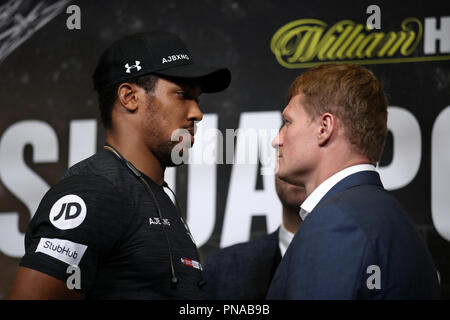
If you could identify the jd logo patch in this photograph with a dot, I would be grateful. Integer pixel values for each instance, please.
(68, 212)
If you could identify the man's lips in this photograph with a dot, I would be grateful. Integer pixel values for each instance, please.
(191, 131)
(279, 154)
(191, 128)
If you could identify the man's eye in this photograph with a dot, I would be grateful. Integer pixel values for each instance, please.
(182, 94)
(187, 96)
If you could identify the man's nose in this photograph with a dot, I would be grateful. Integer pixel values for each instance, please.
(195, 114)
(276, 141)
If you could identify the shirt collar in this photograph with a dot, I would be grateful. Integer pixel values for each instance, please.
(284, 239)
(314, 198)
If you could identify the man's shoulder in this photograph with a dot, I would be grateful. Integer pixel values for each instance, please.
(94, 192)
(243, 270)
(252, 247)
(96, 180)
(368, 201)
(99, 163)
(261, 246)
(102, 167)
(370, 209)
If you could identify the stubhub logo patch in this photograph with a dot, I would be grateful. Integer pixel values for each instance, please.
(63, 250)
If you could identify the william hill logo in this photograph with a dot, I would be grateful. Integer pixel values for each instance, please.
(308, 42)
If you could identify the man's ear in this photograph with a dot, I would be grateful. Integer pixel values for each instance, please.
(327, 125)
(127, 94)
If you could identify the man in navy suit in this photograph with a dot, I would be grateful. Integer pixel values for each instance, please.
(245, 270)
(356, 242)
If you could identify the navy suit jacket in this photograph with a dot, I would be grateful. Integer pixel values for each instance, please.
(356, 225)
(244, 270)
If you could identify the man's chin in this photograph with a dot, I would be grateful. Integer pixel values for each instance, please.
(282, 176)
(177, 158)
(287, 177)
(279, 171)
(171, 164)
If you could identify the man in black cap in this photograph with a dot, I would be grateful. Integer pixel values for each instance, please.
(107, 229)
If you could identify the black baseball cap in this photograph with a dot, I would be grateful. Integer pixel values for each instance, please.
(160, 53)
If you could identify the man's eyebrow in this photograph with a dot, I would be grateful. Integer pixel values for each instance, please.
(189, 87)
(286, 116)
(179, 86)
(189, 90)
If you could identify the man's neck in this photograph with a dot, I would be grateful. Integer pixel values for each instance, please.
(326, 171)
(139, 155)
(291, 219)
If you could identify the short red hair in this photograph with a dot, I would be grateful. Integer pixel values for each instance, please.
(355, 96)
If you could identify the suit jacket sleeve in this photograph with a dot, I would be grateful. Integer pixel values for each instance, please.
(328, 259)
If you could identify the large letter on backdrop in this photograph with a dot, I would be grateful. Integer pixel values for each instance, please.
(440, 174)
(202, 177)
(24, 183)
(407, 149)
(243, 200)
(82, 140)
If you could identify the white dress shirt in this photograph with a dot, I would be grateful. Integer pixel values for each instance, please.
(313, 199)
(284, 239)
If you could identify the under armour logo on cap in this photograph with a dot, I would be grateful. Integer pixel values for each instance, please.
(137, 65)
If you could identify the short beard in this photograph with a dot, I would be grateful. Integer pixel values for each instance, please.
(163, 149)
(163, 153)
